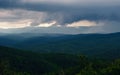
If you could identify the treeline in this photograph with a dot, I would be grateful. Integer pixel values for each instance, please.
(93, 68)
(90, 68)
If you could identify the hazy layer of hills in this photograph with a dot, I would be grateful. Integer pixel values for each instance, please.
(101, 45)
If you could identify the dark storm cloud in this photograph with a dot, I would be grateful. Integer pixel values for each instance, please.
(12, 4)
(9, 4)
(69, 13)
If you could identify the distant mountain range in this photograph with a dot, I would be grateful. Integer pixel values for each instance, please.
(89, 44)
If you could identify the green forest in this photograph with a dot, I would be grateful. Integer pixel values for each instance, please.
(19, 62)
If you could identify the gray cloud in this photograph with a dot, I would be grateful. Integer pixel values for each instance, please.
(98, 9)
(53, 5)
(64, 12)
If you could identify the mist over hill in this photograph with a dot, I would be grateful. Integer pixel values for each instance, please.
(88, 44)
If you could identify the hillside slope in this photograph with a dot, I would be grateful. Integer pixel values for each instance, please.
(18, 62)
(14, 60)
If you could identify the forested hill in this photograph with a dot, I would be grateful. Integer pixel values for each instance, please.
(18, 62)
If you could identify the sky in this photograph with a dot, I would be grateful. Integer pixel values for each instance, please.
(59, 16)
